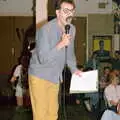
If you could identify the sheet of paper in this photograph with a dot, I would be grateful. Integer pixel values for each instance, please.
(87, 82)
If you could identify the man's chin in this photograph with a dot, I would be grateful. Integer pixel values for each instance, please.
(69, 19)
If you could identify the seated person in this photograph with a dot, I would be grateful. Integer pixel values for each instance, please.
(93, 62)
(110, 115)
(112, 94)
(112, 91)
(117, 73)
(104, 79)
(102, 54)
(116, 60)
(91, 99)
(103, 83)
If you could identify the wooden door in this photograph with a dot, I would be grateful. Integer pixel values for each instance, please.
(80, 40)
(21, 24)
(11, 45)
(5, 45)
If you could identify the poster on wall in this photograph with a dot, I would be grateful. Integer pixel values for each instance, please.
(102, 46)
(107, 42)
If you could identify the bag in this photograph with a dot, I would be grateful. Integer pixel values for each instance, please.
(24, 80)
(14, 84)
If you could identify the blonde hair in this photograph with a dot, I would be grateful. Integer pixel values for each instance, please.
(113, 78)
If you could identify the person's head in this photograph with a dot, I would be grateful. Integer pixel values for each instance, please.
(116, 72)
(94, 55)
(117, 54)
(101, 44)
(114, 80)
(80, 67)
(65, 11)
(107, 70)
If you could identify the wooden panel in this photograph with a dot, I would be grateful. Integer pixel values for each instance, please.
(11, 45)
(51, 8)
(5, 45)
(22, 24)
(80, 41)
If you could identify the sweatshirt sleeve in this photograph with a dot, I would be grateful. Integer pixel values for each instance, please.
(44, 52)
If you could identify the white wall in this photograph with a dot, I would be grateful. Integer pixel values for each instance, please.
(92, 6)
(16, 7)
(41, 11)
(99, 24)
(23, 7)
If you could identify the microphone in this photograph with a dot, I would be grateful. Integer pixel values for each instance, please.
(67, 28)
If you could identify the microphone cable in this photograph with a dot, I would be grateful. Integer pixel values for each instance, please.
(61, 96)
(64, 86)
(67, 29)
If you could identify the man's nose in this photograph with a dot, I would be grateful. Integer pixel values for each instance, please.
(70, 14)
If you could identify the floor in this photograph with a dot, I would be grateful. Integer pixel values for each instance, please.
(70, 111)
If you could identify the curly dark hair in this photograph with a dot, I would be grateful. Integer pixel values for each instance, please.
(59, 2)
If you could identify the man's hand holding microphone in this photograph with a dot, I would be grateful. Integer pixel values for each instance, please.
(65, 39)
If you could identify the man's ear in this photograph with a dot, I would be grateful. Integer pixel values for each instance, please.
(57, 12)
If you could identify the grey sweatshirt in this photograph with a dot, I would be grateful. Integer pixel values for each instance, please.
(47, 62)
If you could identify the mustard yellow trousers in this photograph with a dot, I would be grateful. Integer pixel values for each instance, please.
(44, 98)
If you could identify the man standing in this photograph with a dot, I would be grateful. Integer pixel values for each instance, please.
(48, 59)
